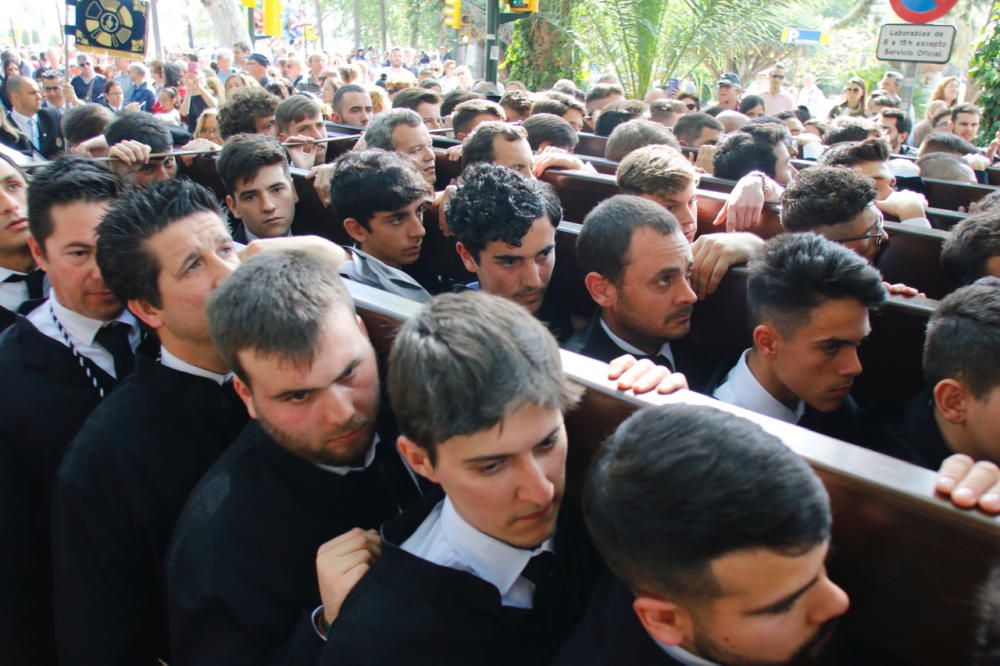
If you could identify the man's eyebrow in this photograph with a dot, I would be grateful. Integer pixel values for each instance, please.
(501, 456)
(785, 601)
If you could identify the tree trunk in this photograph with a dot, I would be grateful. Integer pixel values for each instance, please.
(229, 21)
(319, 26)
(385, 27)
(357, 25)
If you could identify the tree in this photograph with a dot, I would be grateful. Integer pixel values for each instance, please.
(229, 20)
(542, 49)
(984, 74)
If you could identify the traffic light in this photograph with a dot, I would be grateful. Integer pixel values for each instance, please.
(524, 6)
(453, 13)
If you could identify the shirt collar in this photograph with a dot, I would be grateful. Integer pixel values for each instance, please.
(170, 361)
(252, 237)
(83, 328)
(680, 654)
(752, 395)
(490, 559)
(345, 470)
(21, 118)
(7, 272)
(665, 350)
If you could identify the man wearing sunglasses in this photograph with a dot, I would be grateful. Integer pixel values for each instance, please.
(776, 101)
(88, 84)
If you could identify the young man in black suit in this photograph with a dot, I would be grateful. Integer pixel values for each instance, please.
(126, 475)
(39, 133)
(56, 364)
(477, 572)
(708, 578)
(260, 192)
(20, 281)
(809, 300)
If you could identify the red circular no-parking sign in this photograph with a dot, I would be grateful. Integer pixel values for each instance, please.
(921, 11)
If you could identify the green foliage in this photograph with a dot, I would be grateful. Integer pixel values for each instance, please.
(542, 50)
(984, 71)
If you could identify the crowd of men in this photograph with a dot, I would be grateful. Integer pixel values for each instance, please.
(204, 461)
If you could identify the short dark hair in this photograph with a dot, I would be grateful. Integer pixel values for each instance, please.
(796, 273)
(971, 243)
(85, 121)
(903, 123)
(246, 154)
(989, 202)
(370, 181)
(127, 265)
(634, 134)
(849, 128)
(552, 129)
(602, 91)
(946, 142)
(617, 113)
(413, 97)
(517, 101)
(276, 303)
(466, 361)
(141, 127)
(456, 97)
(664, 108)
(658, 169)
(466, 112)
(884, 99)
(493, 203)
(964, 108)
(690, 125)
(944, 166)
(556, 103)
(606, 235)
(852, 153)
(294, 109)
(64, 181)
(750, 149)
(478, 146)
(338, 97)
(659, 498)
(239, 113)
(822, 196)
(750, 102)
(963, 338)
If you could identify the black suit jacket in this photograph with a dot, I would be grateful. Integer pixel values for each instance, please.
(44, 399)
(35, 282)
(50, 136)
(610, 633)
(913, 435)
(120, 489)
(702, 369)
(241, 572)
(407, 610)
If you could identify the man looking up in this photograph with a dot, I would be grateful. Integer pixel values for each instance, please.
(39, 130)
(402, 131)
(380, 198)
(129, 470)
(248, 111)
(261, 195)
(505, 228)
(19, 280)
(56, 364)
(352, 105)
(300, 120)
(707, 579)
(479, 392)
(809, 300)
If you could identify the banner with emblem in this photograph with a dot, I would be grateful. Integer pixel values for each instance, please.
(114, 27)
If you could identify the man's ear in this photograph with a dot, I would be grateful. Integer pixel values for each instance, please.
(282, 136)
(243, 391)
(471, 264)
(231, 205)
(765, 340)
(665, 621)
(416, 457)
(145, 311)
(37, 254)
(602, 290)
(951, 398)
(355, 230)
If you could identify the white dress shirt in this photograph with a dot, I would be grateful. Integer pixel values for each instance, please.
(82, 331)
(665, 350)
(168, 360)
(14, 293)
(742, 389)
(680, 654)
(445, 539)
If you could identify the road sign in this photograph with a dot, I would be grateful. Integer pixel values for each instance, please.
(915, 43)
(921, 11)
(803, 37)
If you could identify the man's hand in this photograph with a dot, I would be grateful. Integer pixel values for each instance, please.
(970, 484)
(900, 289)
(132, 107)
(706, 158)
(322, 177)
(714, 254)
(441, 202)
(69, 93)
(993, 148)
(976, 161)
(198, 144)
(555, 157)
(340, 564)
(904, 204)
(304, 151)
(454, 153)
(95, 147)
(644, 376)
(130, 153)
(321, 247)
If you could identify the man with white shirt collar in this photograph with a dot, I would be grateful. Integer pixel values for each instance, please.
(260, 193)
(719, 535)
(128, 472)
(809, 300)
(478, 573)
(39, 131)
(19, 279)
(56, 365)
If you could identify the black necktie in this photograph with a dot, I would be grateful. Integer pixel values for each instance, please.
(114, 338)
(660, 359)
(539, 571)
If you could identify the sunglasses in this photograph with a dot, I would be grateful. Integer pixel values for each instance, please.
(52, 88)
(872, 232)
(777, 76)
(852, 90)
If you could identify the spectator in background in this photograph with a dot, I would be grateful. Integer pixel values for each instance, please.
(691, 102)
(811, 97)
(947, 91)
(89, 84)
(114, 96)
(224, 60)
(896, 126)
(54, 89)
(248, 111)
(256, 66)
(728, 90)
(752, 106)
(964, 121)
(775, 100)
(142, 93)
(855, 93)
(207, 126)
(168, 113)
(927, 125)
